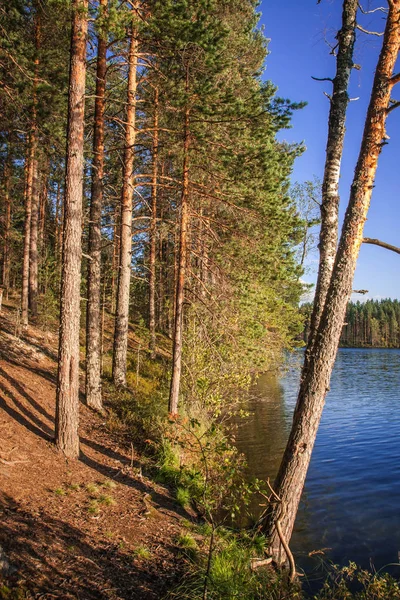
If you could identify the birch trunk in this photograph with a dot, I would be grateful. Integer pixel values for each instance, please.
(67, 403)
(124, 272)
(316, 378)
(93, 317)
(334, 149)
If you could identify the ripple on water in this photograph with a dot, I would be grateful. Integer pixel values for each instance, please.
(351, 501)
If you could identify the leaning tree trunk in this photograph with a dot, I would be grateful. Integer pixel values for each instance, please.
(334, 149)
(93, 319)
(124, 273)
(153, 231)
(181, 274)
(67, 404)
(316, 378)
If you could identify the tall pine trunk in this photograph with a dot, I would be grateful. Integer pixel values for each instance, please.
(7, 221)
(32, 166)
(67, 405)
(33, 246)
(181, 274)
(93, 317)
(153, 231)
(316, 376)
(124, 272)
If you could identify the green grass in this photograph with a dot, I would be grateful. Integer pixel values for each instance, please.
(186, 541)
(109, 484)
(106, 500)
(75, 487)
(183, 496)
(60, 491)
(92, 489)
(93, 508)
(142, 553)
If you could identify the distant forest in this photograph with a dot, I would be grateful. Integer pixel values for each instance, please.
(374, 323)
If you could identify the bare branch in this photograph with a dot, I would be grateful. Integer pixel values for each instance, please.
(369, 32)
(394, 105)
(322, 78)
(369, 12)
(376, 242)
(395, 79)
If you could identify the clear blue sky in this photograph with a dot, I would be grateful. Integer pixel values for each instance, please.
(297, 30)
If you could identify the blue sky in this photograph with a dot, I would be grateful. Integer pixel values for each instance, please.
(298, 32)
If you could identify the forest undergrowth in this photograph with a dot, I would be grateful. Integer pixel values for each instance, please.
(148, 505)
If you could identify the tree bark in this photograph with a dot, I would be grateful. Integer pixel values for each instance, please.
(316, 377)
(7, 221)
(27, 227)
(153, 231)
(124, 272)
(33, 246)
(67, 404)
(334, 149)
(93, 317)
(181, 275)
(33, 141)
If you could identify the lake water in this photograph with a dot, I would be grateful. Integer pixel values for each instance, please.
(351, 501)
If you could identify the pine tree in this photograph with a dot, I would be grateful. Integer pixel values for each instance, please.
(67, 406)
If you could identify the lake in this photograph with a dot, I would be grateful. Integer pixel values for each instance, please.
(351, 501)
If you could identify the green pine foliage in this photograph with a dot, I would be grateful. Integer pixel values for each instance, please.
(369, 324)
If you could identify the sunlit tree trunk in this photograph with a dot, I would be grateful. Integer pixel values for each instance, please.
(7, 221)
(153, 232)
(334, 150)
(181, 275)
(33, 246)
(316, 378)
(93, 320)
(32, 167)
(124, 272)
(67, 405)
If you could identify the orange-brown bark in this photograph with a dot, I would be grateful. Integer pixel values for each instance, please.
(67, 402)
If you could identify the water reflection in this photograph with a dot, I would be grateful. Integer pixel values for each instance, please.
(351, 501)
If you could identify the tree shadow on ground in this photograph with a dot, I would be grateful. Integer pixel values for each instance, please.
(60, 560)
(41, 423)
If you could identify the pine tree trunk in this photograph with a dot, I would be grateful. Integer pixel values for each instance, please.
(93, 316)
(115, 263)
(58, 224)
(181, 276)
(7, 223)
(67, 405)
(42, 211)
(33, 141)
(27, 227)
(316, 378)
(33, 249)
(153, 230)
(124, 272)
(334, 150)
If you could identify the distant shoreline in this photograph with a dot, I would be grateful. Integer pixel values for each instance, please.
(367, 347)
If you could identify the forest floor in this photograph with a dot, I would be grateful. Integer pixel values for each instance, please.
(88, 528)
